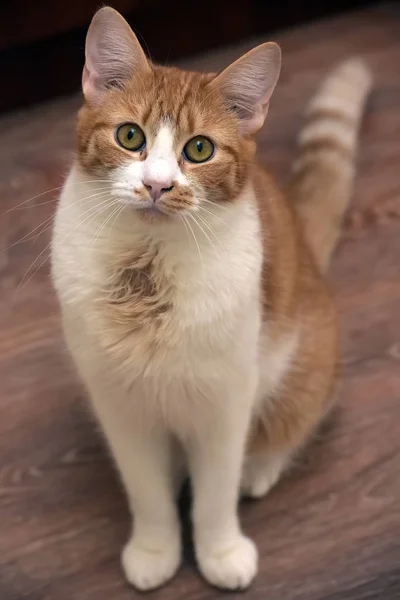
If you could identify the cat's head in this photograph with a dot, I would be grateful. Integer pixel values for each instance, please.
(167, 140)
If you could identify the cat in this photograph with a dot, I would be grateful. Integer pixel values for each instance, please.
(191, 288)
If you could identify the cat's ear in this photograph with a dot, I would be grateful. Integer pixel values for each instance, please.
(248, 83)
(113, 54)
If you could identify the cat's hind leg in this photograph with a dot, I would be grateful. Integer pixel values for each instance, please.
(262, 470)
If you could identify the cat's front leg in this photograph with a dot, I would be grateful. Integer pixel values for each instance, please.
(143, 454)
(226, 557)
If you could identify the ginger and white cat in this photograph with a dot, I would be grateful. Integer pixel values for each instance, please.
(191, 288)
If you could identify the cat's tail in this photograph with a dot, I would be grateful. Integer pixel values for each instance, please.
(322, 182)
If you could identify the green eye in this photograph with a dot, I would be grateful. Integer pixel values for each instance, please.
(198, 149)
(130, 137)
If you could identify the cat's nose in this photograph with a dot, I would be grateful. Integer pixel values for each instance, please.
(157, 186)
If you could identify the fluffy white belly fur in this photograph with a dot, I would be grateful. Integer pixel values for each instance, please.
(205, 339)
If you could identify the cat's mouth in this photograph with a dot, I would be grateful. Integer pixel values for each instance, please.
(169, 206)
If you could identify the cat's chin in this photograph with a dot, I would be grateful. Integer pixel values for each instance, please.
(153, 213)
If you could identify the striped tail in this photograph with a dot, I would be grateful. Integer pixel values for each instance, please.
(322, 181)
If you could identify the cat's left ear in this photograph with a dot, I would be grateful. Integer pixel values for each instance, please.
(113, 54)
(248, 83)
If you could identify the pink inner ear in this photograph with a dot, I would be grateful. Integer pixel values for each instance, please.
(113, 54)
(85, 80)
(256, 121)
(90, 85)
(91, 80)
(249, 83)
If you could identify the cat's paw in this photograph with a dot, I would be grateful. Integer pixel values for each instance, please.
(256, 484)
(149, 567)
(231, 568)
(259, 476)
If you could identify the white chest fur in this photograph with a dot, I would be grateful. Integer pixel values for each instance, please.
(207, 304)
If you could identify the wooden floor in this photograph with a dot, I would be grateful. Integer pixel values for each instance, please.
(331, 530)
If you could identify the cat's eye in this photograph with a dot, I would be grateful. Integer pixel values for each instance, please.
(130, 137)
(198, 149)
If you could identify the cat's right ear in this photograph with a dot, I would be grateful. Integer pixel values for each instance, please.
(113, 55)
(248, 83)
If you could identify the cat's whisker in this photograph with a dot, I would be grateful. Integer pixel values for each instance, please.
(60, 187)
(208, 211)
(186, 227)
(198, 218)
(86, 199)
(105, 188)
(121, 208)
(206, 223)
(97, 211)
(218, 206)
(48, 223)
(47, 228)
(191, 215)
(94, 212)
(22, 204)
(198, 247)
(116, 206)
(51, 218)
(28, 235)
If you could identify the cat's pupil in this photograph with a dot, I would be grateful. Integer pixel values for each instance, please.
(199, 146)
(131, 133)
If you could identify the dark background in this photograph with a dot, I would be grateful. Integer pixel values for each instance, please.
(42, 41)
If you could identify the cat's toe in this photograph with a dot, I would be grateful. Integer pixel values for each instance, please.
(232, 568)
(148, 568)
(257, 485)
(259, 476)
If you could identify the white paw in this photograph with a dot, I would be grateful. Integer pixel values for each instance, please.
(259, 476)
(232, 568)
(148, 567)
(256, 484)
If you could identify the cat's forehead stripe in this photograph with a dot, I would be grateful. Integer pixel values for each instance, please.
(175, 95)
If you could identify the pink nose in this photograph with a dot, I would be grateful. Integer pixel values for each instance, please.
(156, 187)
